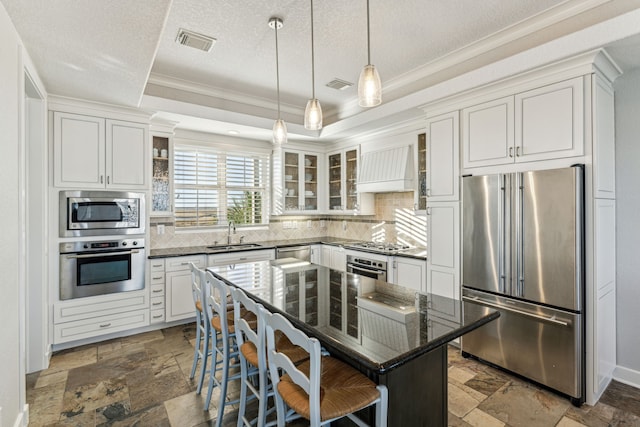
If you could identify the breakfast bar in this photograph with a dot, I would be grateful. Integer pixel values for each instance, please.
(395, 335)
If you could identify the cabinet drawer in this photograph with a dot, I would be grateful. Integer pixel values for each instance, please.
(156, 264)
(156, 278)
(182, 263)
(157, 316)
(240, 257)
(80, 329)
(157, 303)
(90, 308)
(157, 290)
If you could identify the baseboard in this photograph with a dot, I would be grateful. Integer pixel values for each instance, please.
(627, 376)
(22, 420)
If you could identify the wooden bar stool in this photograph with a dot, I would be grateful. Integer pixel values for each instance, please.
(201, 351)
(321, 389)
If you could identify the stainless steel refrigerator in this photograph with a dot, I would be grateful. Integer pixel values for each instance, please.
(522, 254)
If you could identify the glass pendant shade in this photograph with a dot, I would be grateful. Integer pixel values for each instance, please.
(279, 132)
(313, 115)
(369, 87)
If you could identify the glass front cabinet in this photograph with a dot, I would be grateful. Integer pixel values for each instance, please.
(342, 180)
(300, 181)
(161, 194)
(421, 194)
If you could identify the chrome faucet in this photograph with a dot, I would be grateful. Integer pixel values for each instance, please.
(231, 224)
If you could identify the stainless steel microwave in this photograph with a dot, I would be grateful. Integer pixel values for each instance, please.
(101, 213)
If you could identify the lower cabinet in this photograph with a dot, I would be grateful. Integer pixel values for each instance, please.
(94, 316)
(178, 299)
(334, 257)
(410, 273)
(443, 239)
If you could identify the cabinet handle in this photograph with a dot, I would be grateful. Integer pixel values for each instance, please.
(108, 179)
(157, 278)
(517, 151)
(157, 303)
(157, 316)
(105, 325)
(184, 263)
(242, 259)
(428, 211)
(510, 151)
(428, 192)
(101, 179)
(157, 265)
(155, 291)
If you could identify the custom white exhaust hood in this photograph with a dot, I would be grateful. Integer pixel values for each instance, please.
(387, 170)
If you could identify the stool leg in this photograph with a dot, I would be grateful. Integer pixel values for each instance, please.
(196, 353)
(223, 383)
(205, 357)
(244, 367)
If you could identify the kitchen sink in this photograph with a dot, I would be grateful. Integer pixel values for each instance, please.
(224, 248)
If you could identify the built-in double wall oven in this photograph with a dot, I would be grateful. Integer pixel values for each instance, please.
(114, 259)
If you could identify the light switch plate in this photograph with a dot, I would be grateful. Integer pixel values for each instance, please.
(308, 223)
(344, 225)
(160, 228)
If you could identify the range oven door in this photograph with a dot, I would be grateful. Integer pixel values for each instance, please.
(102, 272)
(368, 271)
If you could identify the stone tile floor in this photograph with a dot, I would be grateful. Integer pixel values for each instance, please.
(143, 380)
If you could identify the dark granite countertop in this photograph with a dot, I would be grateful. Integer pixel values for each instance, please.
(417, 253)
(378, 324)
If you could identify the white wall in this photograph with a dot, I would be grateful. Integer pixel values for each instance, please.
(627, 105)
(11, 390)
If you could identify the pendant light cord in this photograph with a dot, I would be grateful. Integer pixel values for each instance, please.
(277, 70)
(368, 37)
(313, 67)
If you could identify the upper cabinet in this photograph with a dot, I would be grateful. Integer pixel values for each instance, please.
(442, 158)
(342, 180)
(300, 181)
(161, 182)
(540, 124)
(93, 152)
(421, 194)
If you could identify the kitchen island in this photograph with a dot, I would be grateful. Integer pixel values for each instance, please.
(393, 334)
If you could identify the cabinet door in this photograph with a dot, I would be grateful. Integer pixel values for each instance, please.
(316, 254)
(604, 154)
(550, 121)
(78, 147)
(338, 259)
(443, 242)
(325, 258)
(161, 181)
(410, 273)
(309, 190)
(487, 133)
(126, 155)
(421, 193)
(335, 182)
(443, 158)
(179, 300)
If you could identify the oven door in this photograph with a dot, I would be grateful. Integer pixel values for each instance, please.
(367, 271)
(98, 273)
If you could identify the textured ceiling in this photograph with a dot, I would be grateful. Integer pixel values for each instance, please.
(124, 52)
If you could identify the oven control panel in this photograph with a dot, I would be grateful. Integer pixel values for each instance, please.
(100, 246)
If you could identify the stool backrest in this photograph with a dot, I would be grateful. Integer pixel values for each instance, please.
(280, 364)
(242, 327)
(197, 289)
(216, 293)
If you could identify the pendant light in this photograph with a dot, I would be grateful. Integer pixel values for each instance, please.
(369, 86)
(279, 127)
(313, 111)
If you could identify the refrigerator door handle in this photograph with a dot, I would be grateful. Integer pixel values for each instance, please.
(519, 291)
(479, 301)
(501, 234)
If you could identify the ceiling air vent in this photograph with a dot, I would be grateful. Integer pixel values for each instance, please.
(198, 41)
(339, 84)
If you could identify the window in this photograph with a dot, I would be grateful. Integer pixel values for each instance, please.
(213, 187)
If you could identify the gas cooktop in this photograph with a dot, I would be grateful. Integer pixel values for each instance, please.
(381, 247)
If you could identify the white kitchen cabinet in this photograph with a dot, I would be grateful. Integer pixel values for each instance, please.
(334, 257)
(93, 152)
(94, 316)
(156, 290)
(540, 124)
(301, 294)
(443, 241)
(421, 155)
(342, 182)
(409, 272)
(443, 154)
(604, 156)
(550, 121)
(316, 254)
(488, 133)
(300, 181)
(178, 298)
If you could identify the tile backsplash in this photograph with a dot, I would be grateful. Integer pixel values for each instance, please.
(394, 221)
